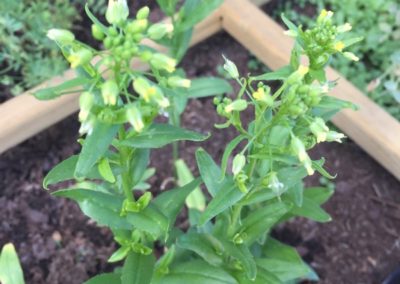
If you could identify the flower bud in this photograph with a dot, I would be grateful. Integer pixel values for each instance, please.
(240, 180)
(163, 62)
(238, 164)
(238, 105)
(231, 68)
(117, 12)
(137, 26)
(308, 165)
(339, 46)
(334, 136)
(179, 82)
(158, 31)
(298, 148)
(273, 183)
(143, 13)
(262, 96)
(150, 92)
(97, 32)
(324, 16)
(81, 57)
(344, 28)
(135, 118)
(351, 56)
(61, 36)
(319, 129)
(87, 126)
(298, 75)
(109, 92)
(86, 101)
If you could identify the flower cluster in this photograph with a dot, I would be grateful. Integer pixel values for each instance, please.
(111, 100)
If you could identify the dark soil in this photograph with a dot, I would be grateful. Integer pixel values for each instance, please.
(57, 244)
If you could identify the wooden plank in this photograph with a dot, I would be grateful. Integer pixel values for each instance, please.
(371, 127)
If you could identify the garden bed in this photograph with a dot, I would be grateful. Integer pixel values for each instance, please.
(360, 245)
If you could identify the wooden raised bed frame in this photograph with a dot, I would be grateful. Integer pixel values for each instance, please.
(371, 127)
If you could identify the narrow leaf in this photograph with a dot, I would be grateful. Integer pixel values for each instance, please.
(159, 135)
(106, 278)
(138, 269)
(196, 199)
(208, 86)
(228, 151)
(10, 267)
(94, 147)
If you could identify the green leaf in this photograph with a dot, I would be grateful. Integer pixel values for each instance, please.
(10, 267)
(350, 41)
(319, 75)
(311, 209)
(317, 165)
(228, 151)
(196, 272)
(119, 254)
(329, 106)
(106, 278)
(172, 201)
(95, 20)
(289, 23)
(167, 6)
(208, 86)
(139, 163)
(201, 245)
(138, 269)
(54, 92)
(257, 197)
(180, 43)
(196, 199)
(227, 196)
(283, 261)
(263, 277)
(209, 171)
(243, 255)
(151, 220)
(318, 194)
(94, 147)
(105, 170)
(196, 10)
(280, 74)
(260, 221)
(65, 171)
(159, 135)
(102, 207)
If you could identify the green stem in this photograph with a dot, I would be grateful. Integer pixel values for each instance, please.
(124, 161)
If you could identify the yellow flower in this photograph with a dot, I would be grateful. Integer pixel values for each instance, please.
(339, 46)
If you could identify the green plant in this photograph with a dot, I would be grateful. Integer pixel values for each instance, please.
(228, 239)
(27, 57)
(10, 267)
(378, 21)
